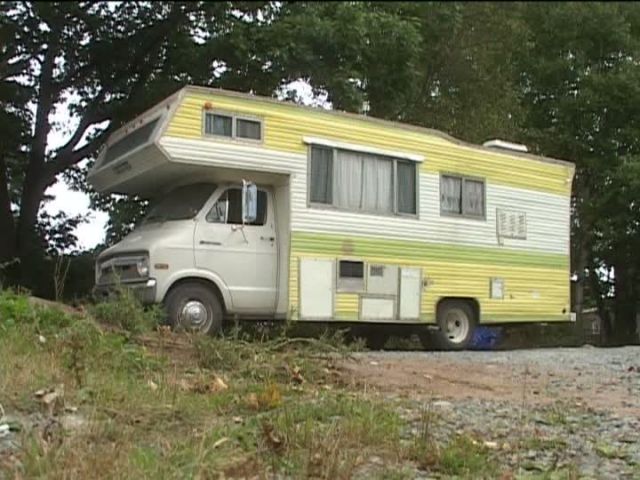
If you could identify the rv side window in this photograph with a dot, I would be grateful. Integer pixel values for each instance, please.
(406, 187)
(228, 208)
(350, 276)
(248, 129)
(362, 182)
(216, 124)
(462, 196)
(231, 126)
(321, 175)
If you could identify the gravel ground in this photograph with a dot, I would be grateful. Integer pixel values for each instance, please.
(536, 410)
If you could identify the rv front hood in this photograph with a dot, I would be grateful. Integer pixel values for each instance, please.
(152, 236)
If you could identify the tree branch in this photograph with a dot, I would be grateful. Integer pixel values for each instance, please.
(92, 116)
(8, 70)
(62, 162)
(44, 105)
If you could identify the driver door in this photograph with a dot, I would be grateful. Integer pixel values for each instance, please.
(244, 257)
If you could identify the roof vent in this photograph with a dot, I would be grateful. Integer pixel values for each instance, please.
(501, 144)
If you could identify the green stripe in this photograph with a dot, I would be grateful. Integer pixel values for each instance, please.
(316, 243)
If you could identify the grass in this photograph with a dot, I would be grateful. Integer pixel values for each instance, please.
(155, 404)
(161, 405)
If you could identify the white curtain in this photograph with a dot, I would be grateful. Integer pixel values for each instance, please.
(364, 182)
(473, 198)
(377, 185)
(348, 184)
(450, 194)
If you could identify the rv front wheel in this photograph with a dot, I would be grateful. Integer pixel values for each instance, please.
(194, 307)
(456, 321)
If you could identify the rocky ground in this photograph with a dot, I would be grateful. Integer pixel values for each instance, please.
(571, 410)
(157, 407)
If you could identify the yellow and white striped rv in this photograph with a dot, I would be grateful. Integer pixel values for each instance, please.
(267, 209)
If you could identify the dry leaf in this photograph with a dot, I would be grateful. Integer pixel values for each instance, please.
(219, 384)
(252, 401)
(296, 376)
(152, 385)
(220, 441)
(273, 440)
(51, 398)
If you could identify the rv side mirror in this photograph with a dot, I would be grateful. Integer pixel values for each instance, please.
(249, 202)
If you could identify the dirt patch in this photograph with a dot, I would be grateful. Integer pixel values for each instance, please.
(419, 375)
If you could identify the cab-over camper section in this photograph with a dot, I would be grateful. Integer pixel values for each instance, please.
(372, 221)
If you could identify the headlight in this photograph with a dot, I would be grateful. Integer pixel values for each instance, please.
(143, 267)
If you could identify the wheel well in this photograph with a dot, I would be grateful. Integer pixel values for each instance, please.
(203, 281)
(472, 302)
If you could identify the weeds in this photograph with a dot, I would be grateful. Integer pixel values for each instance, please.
(184, 406)
(125, 311)
(329, 437)
(464, 457)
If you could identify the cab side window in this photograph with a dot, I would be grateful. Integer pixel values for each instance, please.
(228, 208)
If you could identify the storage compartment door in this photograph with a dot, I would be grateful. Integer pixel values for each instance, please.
(316, 289)
(377, 308)
(410, 289)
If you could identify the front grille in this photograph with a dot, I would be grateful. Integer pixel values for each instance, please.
(118, 270)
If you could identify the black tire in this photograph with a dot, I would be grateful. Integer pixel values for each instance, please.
(452, 317)
(205, 307)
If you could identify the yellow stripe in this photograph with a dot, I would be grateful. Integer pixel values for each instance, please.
(286, 124)
(532, 290)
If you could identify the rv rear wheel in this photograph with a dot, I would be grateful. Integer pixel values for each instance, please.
(194, 307)
(456, 320)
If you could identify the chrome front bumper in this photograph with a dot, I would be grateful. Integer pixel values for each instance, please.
(145, 291)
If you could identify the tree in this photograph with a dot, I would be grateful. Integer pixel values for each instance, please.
(581, 86)
(107, 62)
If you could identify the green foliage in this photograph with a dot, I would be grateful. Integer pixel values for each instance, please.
(16, 310)
(462, 457)
(125, 311)
(562, 78)
(330, 437)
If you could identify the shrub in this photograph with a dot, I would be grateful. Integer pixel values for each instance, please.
(125, 311)
(16, 309)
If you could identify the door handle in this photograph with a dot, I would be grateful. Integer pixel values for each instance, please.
(207, 242)
(271, 239)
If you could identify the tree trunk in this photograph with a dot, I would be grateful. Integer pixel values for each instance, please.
(7, 226)
(29, 249)
(580, 263)
(603, 312)
(625, 304)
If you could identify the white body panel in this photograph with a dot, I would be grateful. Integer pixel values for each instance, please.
(245, 257)
(546, 213)
(377, 308)
(316, 288)
(410, 288)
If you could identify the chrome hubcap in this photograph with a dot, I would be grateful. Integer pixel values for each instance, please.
(193, 315)
(457, 325)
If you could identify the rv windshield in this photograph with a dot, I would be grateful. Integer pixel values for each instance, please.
(180, 204)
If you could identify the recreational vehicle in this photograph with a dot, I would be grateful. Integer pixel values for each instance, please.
(262, 209)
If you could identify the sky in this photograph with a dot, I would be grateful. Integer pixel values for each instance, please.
(92, 232)
(73, 203)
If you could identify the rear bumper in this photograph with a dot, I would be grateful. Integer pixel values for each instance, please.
(144, 291)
